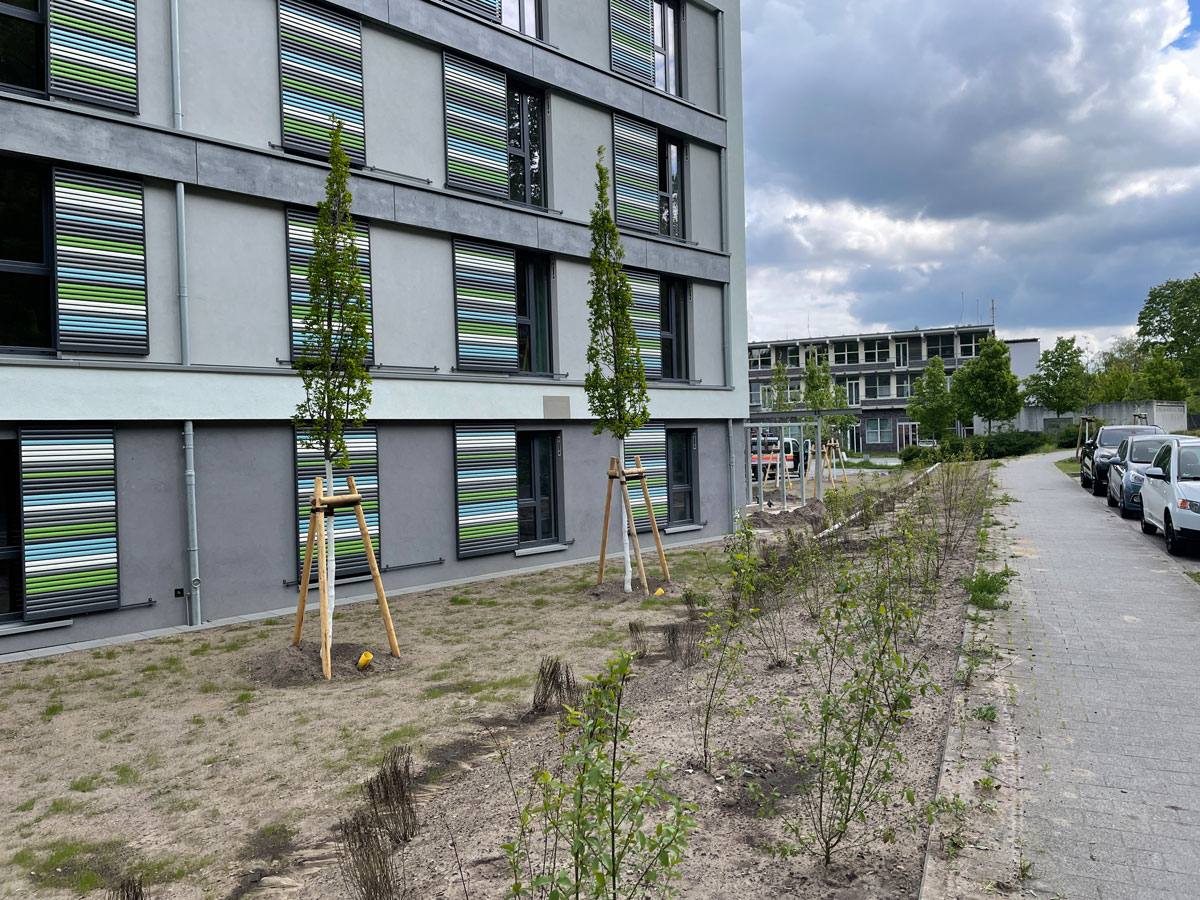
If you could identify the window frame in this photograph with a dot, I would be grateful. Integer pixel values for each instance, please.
(13, 555)
(872, 426)
(526, 151)
(941, 339)
(536, 34)
(845, 353)
(693, 485)
(756, 390)
(41, 19)
(528, 263)
(846, 383)
(674, 305)
(792, 357)
(873, 383)
(902, 381)
(976, 340)
(666, 143)
(876, 350)
(47, 268)
(556, 482)
(759, 355)
(662, 12)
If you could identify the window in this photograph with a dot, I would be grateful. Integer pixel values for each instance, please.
(681, 477)
(670, 188)
(477, 126)
(26, 263)
(631, 37)
(533, 314)
(820, 352)
(875, 350)
(674, 309)
(756, 389)
(537, 487)
(1163, 460)
(760, 357)
(879, 431)
(666, 45)
(903, 386)
(523, 16)
(939, 345)
(969, 343)
(878, 387)
(791, 356)
(23, 45)
(796, 392)
(845, 353)
(10, 530)
(852, 387)
(526, 178)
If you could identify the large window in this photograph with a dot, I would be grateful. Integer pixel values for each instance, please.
(526, 173)
(791, 356)
(23, 44)
(939, 345)
(10, 531)
(760, 357)
(666, 45)
(845, 353)
(878, 387)
(537, 487)
(670, 188)
(969, 343)
(533, 314)
(852, 387)
(674, 312)
(26, 257)
(875, 350)
(522, 16)
(903, 386)
(681, 476)
(756, 392)
(879, 431)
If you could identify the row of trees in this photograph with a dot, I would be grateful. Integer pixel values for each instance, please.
(985, 387)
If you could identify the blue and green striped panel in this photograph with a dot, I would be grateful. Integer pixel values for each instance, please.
(321, 76)
(632, 38)
(100, 263)
(485, 484)
(650, 443)
(69, 521)
(476, 127)
(362, 444)
(635, 173)
(487, 8)
(647, 319)
(485, 306)
(300, 226)
(93, 51)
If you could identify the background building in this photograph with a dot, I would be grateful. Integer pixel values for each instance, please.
(153, 244)
(877, 370)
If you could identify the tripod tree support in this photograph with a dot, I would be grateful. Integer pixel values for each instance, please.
(624, 476)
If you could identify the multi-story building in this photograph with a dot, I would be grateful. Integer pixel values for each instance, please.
(877, 372)
(159, 168)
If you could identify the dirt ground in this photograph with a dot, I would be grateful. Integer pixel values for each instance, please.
(210, 760)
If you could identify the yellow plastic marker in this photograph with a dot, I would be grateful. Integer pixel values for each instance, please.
(365, 659)
(659, 592)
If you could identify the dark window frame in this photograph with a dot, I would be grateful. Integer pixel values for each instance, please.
(675, 318)
(848, 351)
(526, 152)
(674, 226)
(528, 264)
(664, 13)
(46, 268)
(692, 487)
(13, 555)
(522, 10)
(40, 18)
(876, 350)
(556, 482)
(931, 352)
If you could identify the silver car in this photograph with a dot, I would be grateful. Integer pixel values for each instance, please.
(1126, 471)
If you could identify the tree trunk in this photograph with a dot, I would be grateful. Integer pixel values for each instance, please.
(628, 584)
(330, 544)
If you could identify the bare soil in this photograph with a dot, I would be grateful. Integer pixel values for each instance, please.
(172, 756)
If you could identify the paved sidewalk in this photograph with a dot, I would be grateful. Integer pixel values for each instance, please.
(1105, 629)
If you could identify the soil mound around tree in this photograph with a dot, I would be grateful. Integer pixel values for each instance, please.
(612, 590)
(811, 516)
(299, 664)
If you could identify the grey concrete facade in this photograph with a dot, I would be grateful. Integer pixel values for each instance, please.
(237, 389)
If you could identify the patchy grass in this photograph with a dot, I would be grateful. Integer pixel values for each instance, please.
(86, 784)
(984, 588)
(51, 710)
(1068, 465)
(270, 842)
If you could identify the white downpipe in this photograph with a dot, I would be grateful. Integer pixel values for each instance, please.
(330, 547)
(628, 584)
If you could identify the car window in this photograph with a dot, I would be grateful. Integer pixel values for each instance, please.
(1143, 451)
(1163, 459)
(1122, 449)
(1110, 437)
(1189, 463)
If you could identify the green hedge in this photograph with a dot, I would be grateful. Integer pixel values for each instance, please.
(983, 446)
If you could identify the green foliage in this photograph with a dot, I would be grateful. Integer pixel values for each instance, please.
(597, 828)
(985, 588)
(1161, 378)
(780, 389)
(986, 386)
(1170, 318)
(337, 385)
(984, 713)
(616, 378)
(1113, 383)
(931, 405)
(1061, 382)
(820, 393)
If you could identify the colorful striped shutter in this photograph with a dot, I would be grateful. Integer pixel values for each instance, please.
(485, 300)
(476, 127)
(93, 51)
(485, 480)
(300, 226)
(632, 38)
(321, 76)
(100, 263)
(362, 444)
(647, 319)
(635, 173)
(650, 443)
(69, 521)
(487, 8)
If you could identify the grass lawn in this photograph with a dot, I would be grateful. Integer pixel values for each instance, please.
(1068, 464)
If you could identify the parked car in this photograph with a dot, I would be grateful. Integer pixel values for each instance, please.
(1171, 493)
(796, 456)
(1099, 450)
(1126, 471)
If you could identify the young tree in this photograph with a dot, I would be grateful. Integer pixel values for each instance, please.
(986, 386)
(1171, 318)
(1113, 383)
(337, 385)
(930, 405)
(780, 389)
(1061, 381)
(1161, 378)
(616, 379)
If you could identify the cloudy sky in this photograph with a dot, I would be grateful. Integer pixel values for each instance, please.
(909, 160)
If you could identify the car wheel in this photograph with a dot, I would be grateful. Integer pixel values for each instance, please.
(1125, 511)
(1084, 481)
(1147, 528)
(1174, 544)
(1098, 486)
(1108, 496)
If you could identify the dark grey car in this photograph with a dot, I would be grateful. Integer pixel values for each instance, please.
(1098, 452)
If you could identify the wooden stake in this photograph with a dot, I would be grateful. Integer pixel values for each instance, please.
(633, 535)
(383, 604)
(323, 587)
(612, 473)
(305, 576)
(662, 557)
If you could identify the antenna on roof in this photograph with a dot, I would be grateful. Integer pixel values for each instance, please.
(993, 312)
(962, 304)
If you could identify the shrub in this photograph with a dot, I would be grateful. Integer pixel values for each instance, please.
(389, 796)
(368, 868)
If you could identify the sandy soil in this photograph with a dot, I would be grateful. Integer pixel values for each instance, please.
(177, 757)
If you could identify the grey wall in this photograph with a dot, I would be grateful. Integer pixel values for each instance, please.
(579, 29)
(575, 132)
(708, 327)
(700, 33)
(412, 298)
(704, 197)
(154, 63)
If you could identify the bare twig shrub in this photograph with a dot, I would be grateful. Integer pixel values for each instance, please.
(128, 889)
(389, 796)
(369, 870)
(637, 639)
(692, 604)
(556, 686)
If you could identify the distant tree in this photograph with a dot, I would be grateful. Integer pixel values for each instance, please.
(822, 395)
(930, 404)
(1061, 382)
(1170, 318)
(615, 382)
(1113, 383)
(779, 398)
(986, 386)
(1161, 378)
